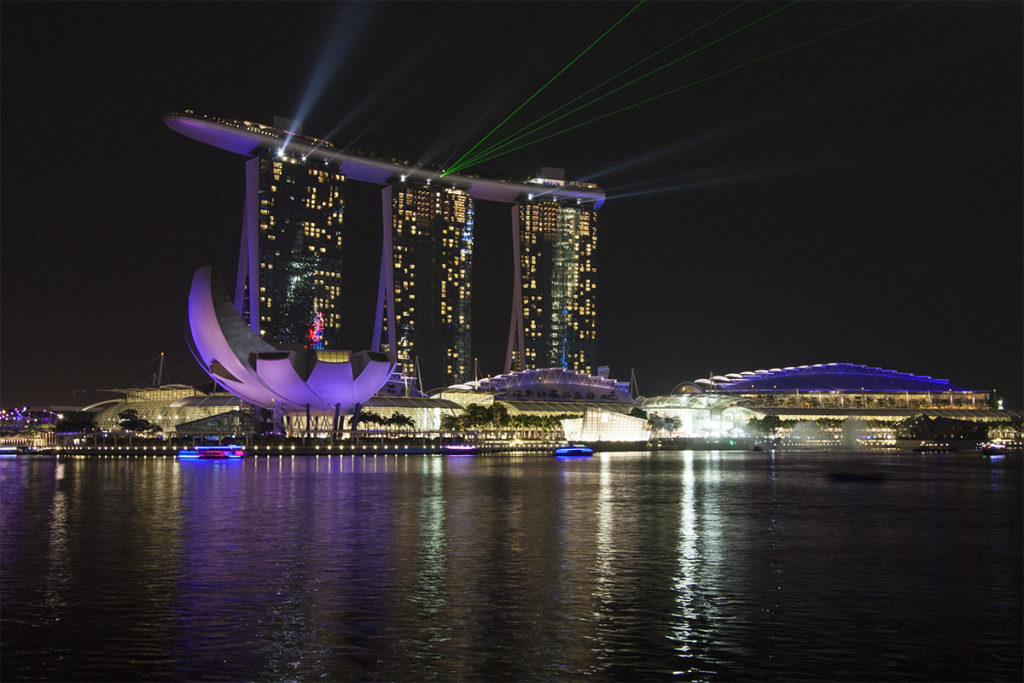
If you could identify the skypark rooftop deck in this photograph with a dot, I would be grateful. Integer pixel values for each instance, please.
(249, 139)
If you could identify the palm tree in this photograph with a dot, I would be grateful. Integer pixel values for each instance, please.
(370, 418)
(400, 420)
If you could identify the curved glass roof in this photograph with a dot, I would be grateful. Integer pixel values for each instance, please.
(556, 383)
(823, 377)
(691, 401)
(204, 401)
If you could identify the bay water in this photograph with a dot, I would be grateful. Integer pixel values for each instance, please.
(623, 566)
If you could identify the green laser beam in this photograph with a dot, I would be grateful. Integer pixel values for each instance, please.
(539, 90)
(473, 159)
(528, 128)
(697, 82)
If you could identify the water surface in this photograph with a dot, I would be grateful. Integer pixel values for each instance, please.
(673, 565)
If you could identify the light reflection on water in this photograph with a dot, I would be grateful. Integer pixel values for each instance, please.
(685, 565)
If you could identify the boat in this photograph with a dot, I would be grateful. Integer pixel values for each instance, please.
(996, 450)
(936, 447)
(15, 451)
(576, 450)
(459, 449)
(212, 453)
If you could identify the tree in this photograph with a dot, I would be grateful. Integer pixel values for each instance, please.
(75, 426)
(400, 420)
(130, 421)
(924, 427)
(37, 430)
(369, 417)
(1011, 429)
(755, 426)
(476, 415)
(771, 423)
(499, 415)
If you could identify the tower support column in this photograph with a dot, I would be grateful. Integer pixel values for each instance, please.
(278, 417)
(248, 266)
(386, 288)
(514, 357)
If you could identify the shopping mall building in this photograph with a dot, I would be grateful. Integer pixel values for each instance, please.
(827, 394)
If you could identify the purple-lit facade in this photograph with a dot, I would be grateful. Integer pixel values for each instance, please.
(291, 274)
(281, 380)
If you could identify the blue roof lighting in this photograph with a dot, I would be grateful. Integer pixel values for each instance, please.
(557, 384)
(826, 377)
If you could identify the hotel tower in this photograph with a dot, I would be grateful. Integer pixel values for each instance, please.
(432, 246)
(294, 283)
(558, 279)
(291, 274)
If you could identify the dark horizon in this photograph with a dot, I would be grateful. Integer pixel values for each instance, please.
(854, 200)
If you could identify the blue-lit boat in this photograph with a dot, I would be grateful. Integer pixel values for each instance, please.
(574, 451)
(994, 450)
(211, 453)
(459, 449)
(14, 451)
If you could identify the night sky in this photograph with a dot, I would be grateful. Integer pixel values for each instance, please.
(857, 199)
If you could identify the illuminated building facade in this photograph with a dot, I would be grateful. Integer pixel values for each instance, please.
(291, 274)
(171, 407)
(557, 273)
(432, 246)
(590, 408)
(552, 385)
(301, 213)
(840, 386)
(826, 395)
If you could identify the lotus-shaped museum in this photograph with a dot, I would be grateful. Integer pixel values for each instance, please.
(287, 380)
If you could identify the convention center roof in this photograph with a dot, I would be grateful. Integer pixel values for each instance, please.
(819, 377)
